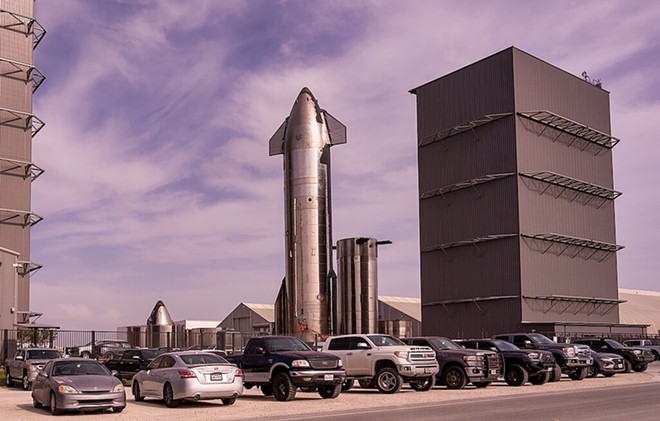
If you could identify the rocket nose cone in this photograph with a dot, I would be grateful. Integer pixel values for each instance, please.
(305, 108)
(305, 90)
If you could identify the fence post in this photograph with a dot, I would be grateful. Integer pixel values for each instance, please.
(94, 344)
(5, 344)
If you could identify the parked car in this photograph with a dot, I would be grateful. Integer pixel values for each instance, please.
(188, 375)
(520, 365)
(77, 384)
(636, 359)
(606, 364)
(132, 361)
(459, 366)
(105, 348)
(644, 343)
(26, 364)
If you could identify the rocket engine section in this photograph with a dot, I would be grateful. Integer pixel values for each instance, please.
(304, 304)
(357, 262)
(159, 327)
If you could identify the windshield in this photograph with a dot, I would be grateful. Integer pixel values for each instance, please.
(541, 339)
(614, 344)
(202, 358)
(384, 340)
(443, 343)
(79, 368)
(505, 346)
(42, 354)
(285, 344)
(151, 354)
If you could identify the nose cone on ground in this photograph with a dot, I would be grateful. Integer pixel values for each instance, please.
(305, 110)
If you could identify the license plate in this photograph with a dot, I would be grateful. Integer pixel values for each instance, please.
(216, 377)
(328, 377)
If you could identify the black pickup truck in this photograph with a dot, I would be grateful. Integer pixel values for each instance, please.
(521, 365)
(636, 359)
(571, 359)
(132, 361)
(279, 365)
(459, 366)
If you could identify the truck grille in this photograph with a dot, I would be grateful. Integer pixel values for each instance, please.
(494, 362)
(583, 351)
(421, 353)
(323, 364)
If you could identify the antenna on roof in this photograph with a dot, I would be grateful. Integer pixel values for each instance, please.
(596, 82)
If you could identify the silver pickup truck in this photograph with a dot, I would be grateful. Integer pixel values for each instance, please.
(26, 364)
(383, 362)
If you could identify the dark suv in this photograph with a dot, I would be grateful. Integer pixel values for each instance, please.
(636, 359)
(520, 365)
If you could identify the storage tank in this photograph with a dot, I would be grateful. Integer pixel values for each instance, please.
(159, 327)
(357, 285)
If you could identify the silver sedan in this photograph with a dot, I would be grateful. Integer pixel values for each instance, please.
(78, 384)
(189, 375)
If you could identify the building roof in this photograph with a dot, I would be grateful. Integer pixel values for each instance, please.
(641, 307)
(408, 305)
(266, 311)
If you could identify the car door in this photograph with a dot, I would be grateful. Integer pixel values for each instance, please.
(15, 369)
(359, 356)
(340, 347)
(256, 362)
(40, 388)
(147, 384)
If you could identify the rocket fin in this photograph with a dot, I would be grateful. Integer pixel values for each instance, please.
(276, 142)
(336, 129)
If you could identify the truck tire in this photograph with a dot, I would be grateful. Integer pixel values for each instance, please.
(640, 368)
(578, 374)
(627, 366)
(454, 377)
(539, 379)
(367, 383)
(516, 375)
(555, 374)
(592, 370)
(25, 382)
(283, 388)
(422, 384)
(347, 385)
(388, 380)
(8, 381)
(266, 389)
(330, 391)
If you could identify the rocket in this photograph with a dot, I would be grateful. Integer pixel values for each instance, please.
(305, 304)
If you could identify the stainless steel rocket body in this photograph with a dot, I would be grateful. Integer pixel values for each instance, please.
(305, 302)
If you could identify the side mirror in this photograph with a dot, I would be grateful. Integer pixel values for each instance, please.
(42, 374)
(259, 350)
(529, 344)
(114, 373)
(492, 348)
(19, 358)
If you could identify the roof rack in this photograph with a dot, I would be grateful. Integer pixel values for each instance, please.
(463, 184)
(460, 128)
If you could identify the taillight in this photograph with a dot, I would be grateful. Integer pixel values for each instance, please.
(187, 374)
(239, 373)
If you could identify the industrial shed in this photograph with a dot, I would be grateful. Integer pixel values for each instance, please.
(641, 307)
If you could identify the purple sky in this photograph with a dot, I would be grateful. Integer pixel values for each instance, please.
(158, 183)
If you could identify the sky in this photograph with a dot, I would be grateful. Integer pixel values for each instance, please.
(158, 184)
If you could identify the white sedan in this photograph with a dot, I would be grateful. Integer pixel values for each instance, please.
(188, 375)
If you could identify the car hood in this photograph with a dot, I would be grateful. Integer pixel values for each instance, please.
(303, 355)
(89, 383)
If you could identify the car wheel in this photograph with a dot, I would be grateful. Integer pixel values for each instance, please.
(266, 389)
(640, 368)
(25, 382)
(136, 392)
(367, 383)
(579, 373)
(423, 384)
(168, 396)
(36, 403)
(53, 405)
(516, 375)
(228, 401)
(283, 388)
(480, 385)
(86, 354)
(539, 379)
(330, 391)
(118, 409)
(592, 371)
(454, 378)
(8, 381)
(555, 374)
(347, 385)
(388, 380)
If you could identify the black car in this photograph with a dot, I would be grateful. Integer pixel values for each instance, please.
(636, 359)
(520, 365)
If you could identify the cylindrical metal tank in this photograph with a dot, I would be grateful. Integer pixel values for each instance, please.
(357, 289)
(398, 328)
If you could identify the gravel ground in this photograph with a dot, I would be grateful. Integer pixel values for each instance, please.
(16, 404)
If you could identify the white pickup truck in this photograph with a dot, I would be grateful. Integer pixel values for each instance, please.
(383, 362)
(25, 365)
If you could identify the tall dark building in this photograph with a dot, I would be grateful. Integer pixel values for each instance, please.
(20, 34)
(516, 200)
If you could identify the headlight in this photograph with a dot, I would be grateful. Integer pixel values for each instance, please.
(118, 388)
(64, 388)
(637, 351)
(339, 363)
(533, 356)
(401, 354)
(569, 350)
(300, 363)
(471, 358)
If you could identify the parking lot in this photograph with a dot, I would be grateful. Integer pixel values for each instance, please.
(16, 404)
